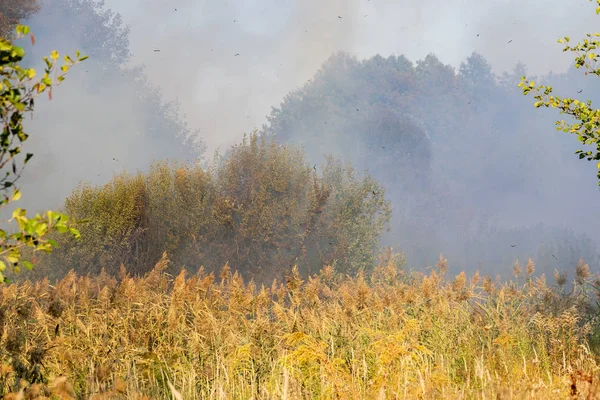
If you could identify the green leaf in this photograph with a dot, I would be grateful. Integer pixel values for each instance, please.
(76, 234)
(52, 216)
(41, 229)
(18, 213)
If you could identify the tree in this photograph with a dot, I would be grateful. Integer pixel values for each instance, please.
(363, 112)
(478, 81)
(17, 93)
(587, 127)
(261, 210)
(126, 117)
(95, 28)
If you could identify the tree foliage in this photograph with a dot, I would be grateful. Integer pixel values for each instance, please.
(262, 210)
(587, 125)
(134, 113)
(452, 146)
(18, 89)
(361, 111)
(102, 34)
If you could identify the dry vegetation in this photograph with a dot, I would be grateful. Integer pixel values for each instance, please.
(262, 209)
(393, 334)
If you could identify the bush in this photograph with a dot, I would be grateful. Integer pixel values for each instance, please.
(262, 209)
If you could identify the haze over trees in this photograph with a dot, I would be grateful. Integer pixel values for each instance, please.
(455, 149)
(110, 119)
(452, 147)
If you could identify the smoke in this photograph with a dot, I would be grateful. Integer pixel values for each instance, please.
(226, 63)
(104, 118)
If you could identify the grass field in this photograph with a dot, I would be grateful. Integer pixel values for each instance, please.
(395, 334)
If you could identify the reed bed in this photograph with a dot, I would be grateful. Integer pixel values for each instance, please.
(393, 334)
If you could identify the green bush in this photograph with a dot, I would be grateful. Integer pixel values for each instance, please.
(262, 210)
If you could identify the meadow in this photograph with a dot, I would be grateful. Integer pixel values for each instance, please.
(390, 334)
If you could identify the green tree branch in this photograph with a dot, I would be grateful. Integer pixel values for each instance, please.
(587, 125)
(18, 89)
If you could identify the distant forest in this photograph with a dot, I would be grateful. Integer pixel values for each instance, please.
(470, 168)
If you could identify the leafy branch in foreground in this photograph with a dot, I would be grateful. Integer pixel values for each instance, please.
(18, 89)
(588, 126)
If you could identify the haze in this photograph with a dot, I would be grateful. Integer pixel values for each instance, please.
(228, 62)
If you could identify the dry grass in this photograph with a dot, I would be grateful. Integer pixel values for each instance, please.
(392, 335)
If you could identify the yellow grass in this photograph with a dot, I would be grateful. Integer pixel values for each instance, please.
(393, 335)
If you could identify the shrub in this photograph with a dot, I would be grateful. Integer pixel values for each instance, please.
(262, 209)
